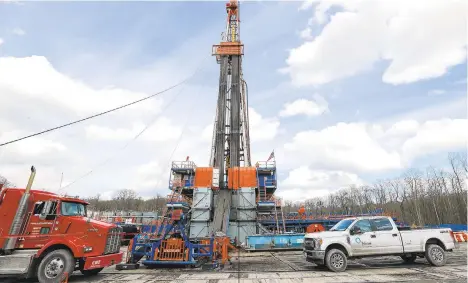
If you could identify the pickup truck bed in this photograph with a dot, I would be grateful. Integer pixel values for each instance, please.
(415, 240)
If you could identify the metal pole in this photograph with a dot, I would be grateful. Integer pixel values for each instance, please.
(61, 179)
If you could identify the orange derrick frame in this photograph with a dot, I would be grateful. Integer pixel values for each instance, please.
(221, 248)
(222, 245)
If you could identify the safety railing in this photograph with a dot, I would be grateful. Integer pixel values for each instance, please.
(177, 198)
(278, 201)
(310, 216)
(181, 183)
(266, 197)
(266, 164)
(172, 250)
(183, 165)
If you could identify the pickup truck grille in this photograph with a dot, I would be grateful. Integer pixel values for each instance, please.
(113, 240)
(309, 244)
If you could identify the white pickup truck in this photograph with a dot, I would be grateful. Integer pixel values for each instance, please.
(374, 236)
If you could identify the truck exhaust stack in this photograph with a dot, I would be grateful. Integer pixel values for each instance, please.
(10, 243)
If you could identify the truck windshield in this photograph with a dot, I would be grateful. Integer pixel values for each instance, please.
(342, 225)
(73, 209)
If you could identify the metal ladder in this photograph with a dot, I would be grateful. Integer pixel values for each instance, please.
(277, 220)
(262, 193)
(176, 192)
(282, 218)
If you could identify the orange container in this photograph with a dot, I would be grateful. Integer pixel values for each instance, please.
(242, 177)
(203, 177)
(313, 228)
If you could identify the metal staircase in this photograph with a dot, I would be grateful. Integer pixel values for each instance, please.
(176, 195)
(279, 217)
(262, 193)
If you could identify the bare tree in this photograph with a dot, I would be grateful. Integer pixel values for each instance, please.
(4, 182)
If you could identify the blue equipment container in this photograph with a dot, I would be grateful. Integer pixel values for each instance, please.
(275, 242)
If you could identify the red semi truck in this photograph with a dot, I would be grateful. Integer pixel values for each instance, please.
(47, 236)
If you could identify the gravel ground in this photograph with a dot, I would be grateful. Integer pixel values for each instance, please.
(292, 267)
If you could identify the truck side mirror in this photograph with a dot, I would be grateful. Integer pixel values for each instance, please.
(45, 210)
(355, 230)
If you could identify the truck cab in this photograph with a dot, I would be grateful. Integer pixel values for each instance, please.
(55, 236)
(372, 237)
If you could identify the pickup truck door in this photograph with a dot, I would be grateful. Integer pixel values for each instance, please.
(387, 237)
(362, 243)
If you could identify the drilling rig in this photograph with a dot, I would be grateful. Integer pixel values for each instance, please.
(209, 207)
(230, 146)
(229, 195)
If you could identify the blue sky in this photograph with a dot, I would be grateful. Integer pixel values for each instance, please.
(75, 58)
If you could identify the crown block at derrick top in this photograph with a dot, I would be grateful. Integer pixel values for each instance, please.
(242, 177)
(203, 177)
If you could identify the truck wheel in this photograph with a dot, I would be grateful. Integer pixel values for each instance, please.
(91, 272)
(435, 255)
(408, 258)
(336, 260)
(52, 267)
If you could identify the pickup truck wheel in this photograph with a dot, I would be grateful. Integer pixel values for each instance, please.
(336, 260)
(53, 266)
(408, 258)
(91, 272)
(435, 255)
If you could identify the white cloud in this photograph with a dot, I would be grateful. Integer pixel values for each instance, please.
(304, 183)
(31, 147)
(151, 175)
(36, 96)
(18, 31)
(306, 33)
(1, 41)
(420, 39)
(35, 78)
(161, 130)
(47, 177)
(437, 136)
(366, 147)
(306, 4)
(305, 107)
(342, 147)
(207, 133)
(262, 129)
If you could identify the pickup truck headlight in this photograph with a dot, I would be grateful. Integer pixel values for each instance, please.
(318, 242)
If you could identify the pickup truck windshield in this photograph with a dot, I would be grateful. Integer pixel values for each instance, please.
(73, 209)
(342, 225)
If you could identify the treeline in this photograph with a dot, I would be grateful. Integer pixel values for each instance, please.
(433, 196)
(127, 200)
